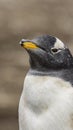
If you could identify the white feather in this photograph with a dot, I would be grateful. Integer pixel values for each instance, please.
(59, 44)
(46, 104)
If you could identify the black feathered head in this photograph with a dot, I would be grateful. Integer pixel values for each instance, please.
(47, 52)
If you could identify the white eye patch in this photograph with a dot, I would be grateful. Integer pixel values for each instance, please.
(59, 44)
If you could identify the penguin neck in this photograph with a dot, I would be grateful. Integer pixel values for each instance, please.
(38, 65)
(46, 69)
(65, 74)
(40, 70)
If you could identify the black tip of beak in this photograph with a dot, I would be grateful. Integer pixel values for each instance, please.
(22, 41)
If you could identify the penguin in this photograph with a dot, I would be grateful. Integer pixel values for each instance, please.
(46, 101)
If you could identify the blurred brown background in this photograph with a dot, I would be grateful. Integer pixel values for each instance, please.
(26, 19)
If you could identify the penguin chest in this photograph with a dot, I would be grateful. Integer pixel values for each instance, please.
(47, 104)
(44, 91)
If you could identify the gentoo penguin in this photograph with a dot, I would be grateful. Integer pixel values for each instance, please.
(46, 101)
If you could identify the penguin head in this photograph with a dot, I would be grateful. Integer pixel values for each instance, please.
(47, 52)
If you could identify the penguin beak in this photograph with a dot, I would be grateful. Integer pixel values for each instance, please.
(28, 44)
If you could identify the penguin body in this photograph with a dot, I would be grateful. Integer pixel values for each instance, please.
(46, 102)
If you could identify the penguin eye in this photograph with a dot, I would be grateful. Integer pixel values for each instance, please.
(54, 50)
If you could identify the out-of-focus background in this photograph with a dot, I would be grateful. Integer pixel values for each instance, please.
(26, 19)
